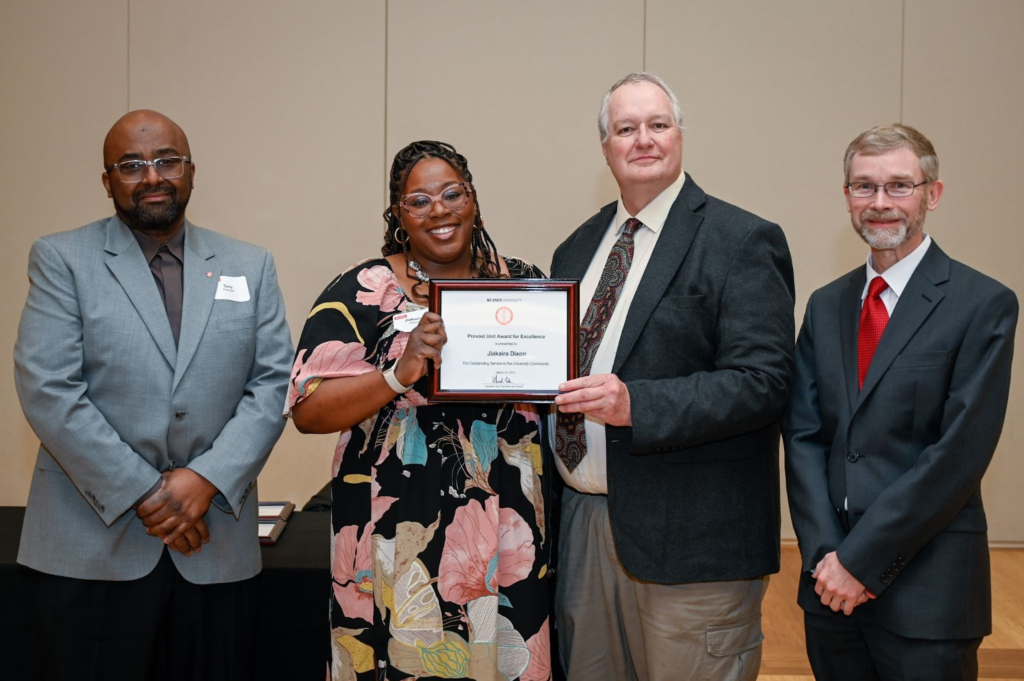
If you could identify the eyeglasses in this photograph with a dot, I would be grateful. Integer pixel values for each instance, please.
(453, 198)
(897, 190)
(168, 167)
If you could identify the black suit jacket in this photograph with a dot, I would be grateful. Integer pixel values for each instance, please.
(907, 451)
(706, 353)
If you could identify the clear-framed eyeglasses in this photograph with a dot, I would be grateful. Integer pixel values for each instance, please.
(454, 197)
(168, 167)
(897, 190)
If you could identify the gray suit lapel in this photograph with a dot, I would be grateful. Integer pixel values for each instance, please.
(673, 244)
(849, 321)
(131, 270)
(199, 276)
(919, 299)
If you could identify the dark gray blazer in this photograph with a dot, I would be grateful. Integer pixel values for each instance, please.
(706, 353)
(908, 450)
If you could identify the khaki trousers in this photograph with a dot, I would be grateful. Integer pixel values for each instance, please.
(616, 627)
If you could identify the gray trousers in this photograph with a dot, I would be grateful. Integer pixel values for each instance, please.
(614, 626)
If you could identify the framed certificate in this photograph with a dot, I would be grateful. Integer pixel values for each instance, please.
(509, 340)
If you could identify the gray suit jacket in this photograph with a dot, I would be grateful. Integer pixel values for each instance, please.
(908, 451)
(114, 403)
(706, 353)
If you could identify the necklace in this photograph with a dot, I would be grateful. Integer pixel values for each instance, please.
(417, 271)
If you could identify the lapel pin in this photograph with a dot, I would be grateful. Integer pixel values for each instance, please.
(209, 274)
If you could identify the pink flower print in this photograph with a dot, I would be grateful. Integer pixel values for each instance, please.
(332, 359)
(411, 399)
(539, 646)
(352, 572)
(339, 452)
(352, 561)
(384, 291)
(528, 412)
(378, 505)
(398, 344)
(515, 547)
(485, 547)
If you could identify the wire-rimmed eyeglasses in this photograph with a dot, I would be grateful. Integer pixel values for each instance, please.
(167, 167)
(897, 190)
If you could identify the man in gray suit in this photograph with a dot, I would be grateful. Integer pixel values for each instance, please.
(668, 444)
(902, 377)
(152, 362)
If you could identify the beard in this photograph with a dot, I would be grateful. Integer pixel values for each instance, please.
(887, 239)
(148, 218)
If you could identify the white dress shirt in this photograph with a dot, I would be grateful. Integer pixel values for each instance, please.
(591, 476)
(896, 276)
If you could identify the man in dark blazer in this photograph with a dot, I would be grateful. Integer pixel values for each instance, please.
(902, 377)
(670, 515)
(152, 361)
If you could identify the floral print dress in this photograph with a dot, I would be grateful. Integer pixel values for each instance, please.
(440, 532)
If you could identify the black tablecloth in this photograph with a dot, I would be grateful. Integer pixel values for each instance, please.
(294, 591)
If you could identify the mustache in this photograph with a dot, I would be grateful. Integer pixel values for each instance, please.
(883, 215)
(170, 190)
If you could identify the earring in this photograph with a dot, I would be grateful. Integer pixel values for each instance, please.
(403, 242)
(476, 239)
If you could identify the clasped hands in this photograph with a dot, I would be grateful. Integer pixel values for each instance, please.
(839, 590)
(174, 512)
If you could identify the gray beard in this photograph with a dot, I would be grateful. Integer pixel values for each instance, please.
(886, 240)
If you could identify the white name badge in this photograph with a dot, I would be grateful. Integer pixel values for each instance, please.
(232, 288)
(407, 321)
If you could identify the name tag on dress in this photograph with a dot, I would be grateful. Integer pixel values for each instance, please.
(407, 321)
(232, 288)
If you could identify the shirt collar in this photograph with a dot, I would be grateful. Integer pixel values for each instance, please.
(150, 246)
(899, 274)
(654, 214)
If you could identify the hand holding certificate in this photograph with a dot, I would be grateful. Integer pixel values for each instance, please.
(507, 340)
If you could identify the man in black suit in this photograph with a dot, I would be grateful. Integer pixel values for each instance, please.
(669, 442)
(902, 377)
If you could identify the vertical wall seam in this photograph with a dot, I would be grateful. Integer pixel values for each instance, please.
(643, 61)
(903, 57)
(384, 151)
(128, 57)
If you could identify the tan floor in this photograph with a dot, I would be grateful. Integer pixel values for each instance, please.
(1001, 655)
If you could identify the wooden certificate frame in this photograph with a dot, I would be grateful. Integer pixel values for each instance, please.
(500, 339)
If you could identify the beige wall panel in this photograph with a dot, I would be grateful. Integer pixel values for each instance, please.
(515, 87)
(770, 100)
(962, 88)
(63, 75)
(283, 104)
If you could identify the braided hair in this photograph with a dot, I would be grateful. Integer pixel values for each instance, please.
(485, 253)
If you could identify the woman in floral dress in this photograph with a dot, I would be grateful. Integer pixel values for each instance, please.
(440, 543)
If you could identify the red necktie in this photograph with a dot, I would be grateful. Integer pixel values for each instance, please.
(570, 435)
(873, 318)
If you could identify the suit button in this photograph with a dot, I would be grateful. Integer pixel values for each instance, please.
(179, 415)
(852, 457)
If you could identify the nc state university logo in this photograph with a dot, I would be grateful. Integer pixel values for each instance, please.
(503, 315)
